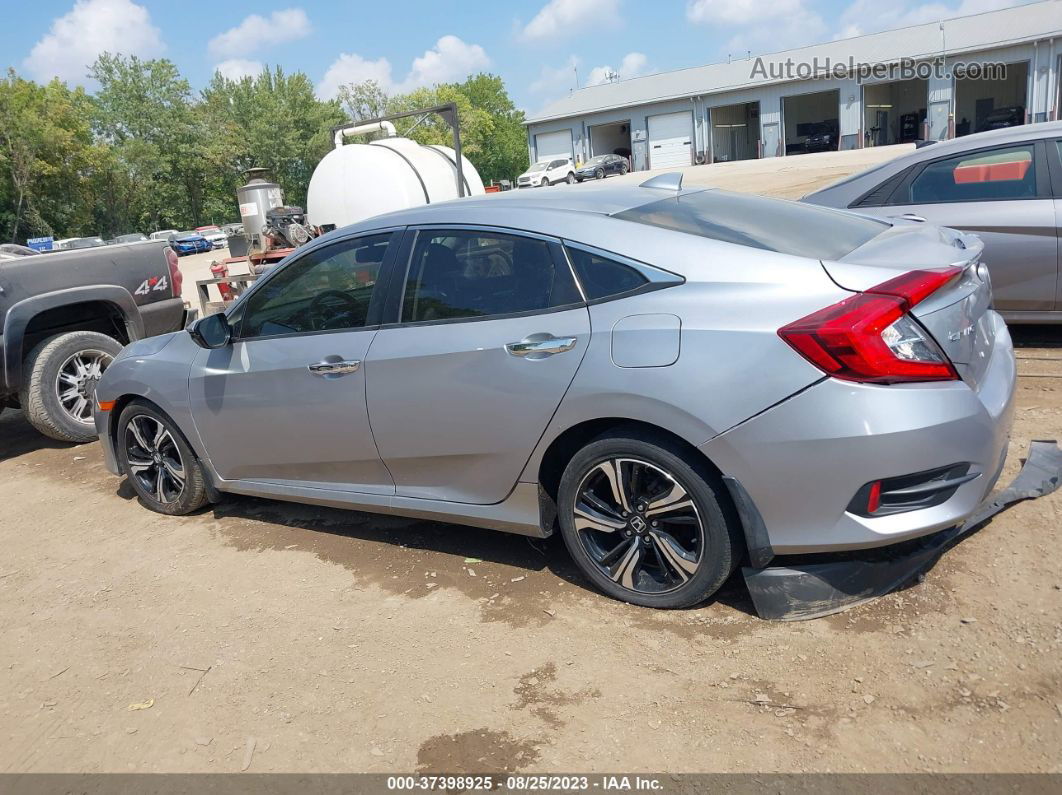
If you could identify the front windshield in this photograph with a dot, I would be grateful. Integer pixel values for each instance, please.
(594, 161)
(538, 167)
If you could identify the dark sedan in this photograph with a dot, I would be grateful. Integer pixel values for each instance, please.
(190, 243)
(601, 166)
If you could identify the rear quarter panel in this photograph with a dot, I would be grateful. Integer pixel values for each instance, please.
(731, 363)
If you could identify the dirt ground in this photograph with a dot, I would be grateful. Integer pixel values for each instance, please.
(274, 637)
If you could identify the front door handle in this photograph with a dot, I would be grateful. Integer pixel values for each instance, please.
(539, 346)
(334, 368)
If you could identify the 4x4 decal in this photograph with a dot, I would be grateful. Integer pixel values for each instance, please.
(154, 284)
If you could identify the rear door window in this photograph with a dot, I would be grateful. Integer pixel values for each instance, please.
(990, 175)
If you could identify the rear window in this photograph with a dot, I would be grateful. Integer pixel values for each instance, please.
(803, 230)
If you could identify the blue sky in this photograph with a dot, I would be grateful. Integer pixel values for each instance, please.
(535, 45)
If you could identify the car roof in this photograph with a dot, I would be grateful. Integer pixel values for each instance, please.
(596, 199)
(1022, 132)
(850, 188)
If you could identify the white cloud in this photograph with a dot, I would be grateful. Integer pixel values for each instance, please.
(449, 60)
(790, 23)
(352, 68)
(734, 12)
(90, 28)
(632, 65)
(869, 16)
(257, 32)
(555, 79)
(562, 17)
(239, 68)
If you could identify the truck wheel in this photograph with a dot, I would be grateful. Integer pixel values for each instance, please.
(59, 392)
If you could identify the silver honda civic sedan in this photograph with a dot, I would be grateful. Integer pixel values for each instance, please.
(679, 379)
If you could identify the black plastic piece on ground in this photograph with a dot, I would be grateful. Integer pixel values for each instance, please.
(799, 592)
(756, 539)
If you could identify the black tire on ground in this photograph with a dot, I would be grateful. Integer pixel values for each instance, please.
(570, 179)
(722, 547)
(544, 183)
(599, 174)
(173, 449)
(39, 395)
(623, 169)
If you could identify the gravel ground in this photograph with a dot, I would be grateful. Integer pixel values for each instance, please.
(274, 637)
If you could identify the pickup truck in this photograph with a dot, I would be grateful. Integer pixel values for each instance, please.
(65, 315)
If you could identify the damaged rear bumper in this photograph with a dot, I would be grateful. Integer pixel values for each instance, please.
(810, 590)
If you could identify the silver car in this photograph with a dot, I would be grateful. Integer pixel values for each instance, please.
(679, 379)
(1005, 186)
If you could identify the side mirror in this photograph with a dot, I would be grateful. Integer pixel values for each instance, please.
(212, 331)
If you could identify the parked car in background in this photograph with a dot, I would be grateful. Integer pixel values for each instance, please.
(85, 242)
(1003, 185)
(1002, 118)
(824, 138)
(190, 243)
(163, 234)
(601, 166)
(547, 172)
(525, 358)
(9, 250)
(132, 237)
(213, 233)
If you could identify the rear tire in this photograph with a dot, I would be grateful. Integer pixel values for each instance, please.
(59, 392)
(624, 170)
(679, 561)
(158, 461)
(570, 179)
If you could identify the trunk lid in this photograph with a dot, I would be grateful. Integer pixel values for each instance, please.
(957, 314)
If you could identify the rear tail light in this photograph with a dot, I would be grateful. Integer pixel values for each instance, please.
(176, 277)
(871, 338)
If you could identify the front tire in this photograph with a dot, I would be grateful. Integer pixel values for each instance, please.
(647, 522)
(599, 174)
(158, 461)
(59, 392)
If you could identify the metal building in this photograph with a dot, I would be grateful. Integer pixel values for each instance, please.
(825, 96)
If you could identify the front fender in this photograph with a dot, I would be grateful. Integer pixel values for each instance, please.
(156, 370)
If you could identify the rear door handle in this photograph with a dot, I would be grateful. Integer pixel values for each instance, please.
(335, 368)
(539, 346)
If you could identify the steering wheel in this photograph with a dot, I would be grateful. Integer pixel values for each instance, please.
(327, 299)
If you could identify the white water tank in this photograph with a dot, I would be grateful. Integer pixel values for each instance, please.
(357, 181)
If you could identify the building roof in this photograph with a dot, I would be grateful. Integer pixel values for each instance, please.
(973, 33)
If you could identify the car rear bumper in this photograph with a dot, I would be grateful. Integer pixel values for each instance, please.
(812, 588)
(803, 461)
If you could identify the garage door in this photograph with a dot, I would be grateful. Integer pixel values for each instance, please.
(671, 140)
(554, 144)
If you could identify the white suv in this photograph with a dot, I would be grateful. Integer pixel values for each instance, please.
(547, 172)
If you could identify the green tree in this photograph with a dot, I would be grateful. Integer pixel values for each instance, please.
(492, 129)
(365, 100)
(145, 111)
(271, 121)
(46, 157)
